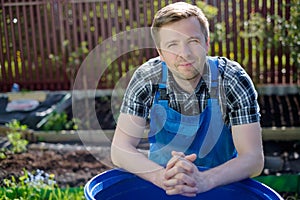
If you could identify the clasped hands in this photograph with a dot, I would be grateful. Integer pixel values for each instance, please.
(182, 176)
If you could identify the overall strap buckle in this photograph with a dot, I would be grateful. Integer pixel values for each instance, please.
(163, 94)
(160, 91)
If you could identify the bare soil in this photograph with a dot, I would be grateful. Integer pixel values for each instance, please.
(72, 167)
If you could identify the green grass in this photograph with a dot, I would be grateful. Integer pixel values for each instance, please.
(45, 194)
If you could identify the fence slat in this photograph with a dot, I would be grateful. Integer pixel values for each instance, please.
(289, 69)
(2, 74)
(227, 27)
(7, 67)
(54, 26)
(41, 72)
(69, 23)
(49, 63)
(35, 74)
(279, 53)
(241, 40)
(95, 24)
(219, 18)
(20, 51)
(249, 44)
(28, 70)
(13, 40)
(234, 30)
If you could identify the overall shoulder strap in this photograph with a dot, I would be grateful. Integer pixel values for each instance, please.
(213, 64)
(164, 74)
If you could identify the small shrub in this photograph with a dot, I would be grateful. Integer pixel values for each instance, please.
(37, 185)
(60, 121)
(14, 136)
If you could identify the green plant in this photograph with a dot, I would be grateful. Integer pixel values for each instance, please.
(287, 185)
(14, 135)
(286, 32)
(211, 12)
(37, 185)
(277, 31)
(71, 59)
(59, 121)
(255, 27)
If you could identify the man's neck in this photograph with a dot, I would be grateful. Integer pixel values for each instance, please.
(188, 85)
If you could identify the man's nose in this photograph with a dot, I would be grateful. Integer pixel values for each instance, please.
(184, 51)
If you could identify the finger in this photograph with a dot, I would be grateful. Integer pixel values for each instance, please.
(177, 157)
(180, 179)
(189, 194)
(182, 189)
(185, 164)
(191, 157)
(173, 161)
(171, 183)
(168, 188)
(181, 166)
(169, 173)
(177, 153)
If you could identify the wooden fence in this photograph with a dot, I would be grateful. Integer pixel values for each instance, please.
(45, 43)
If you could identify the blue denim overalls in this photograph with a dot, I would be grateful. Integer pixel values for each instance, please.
(205, 134)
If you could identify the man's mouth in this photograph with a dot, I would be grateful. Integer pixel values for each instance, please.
(187, 64)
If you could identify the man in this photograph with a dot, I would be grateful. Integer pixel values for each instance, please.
(203, 111)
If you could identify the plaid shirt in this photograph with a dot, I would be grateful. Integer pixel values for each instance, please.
(237, 95)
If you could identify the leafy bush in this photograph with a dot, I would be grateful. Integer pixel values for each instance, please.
(59, 121)
(277, 31)
(14, 135)
(287, 31)
(37, 185)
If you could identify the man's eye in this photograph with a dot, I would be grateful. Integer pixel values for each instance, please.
(194, 41)
(171, 45)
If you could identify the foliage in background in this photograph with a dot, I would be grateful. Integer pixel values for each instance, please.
(59, 121)
(14, 135)
(286, 32)
(210, 12)
(73, 58)
(37, 185)
(277, 31)
(255, 27)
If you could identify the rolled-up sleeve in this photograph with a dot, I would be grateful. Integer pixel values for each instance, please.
(137, 98)
(242, 100)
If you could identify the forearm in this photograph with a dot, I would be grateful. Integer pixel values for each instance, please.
(234, 170)
(250, 160)
(124, 152)
(136, 162)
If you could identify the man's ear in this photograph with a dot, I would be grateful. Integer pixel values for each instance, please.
(160, 53)
(207, 44)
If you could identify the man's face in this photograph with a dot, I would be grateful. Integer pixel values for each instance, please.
(183, 48)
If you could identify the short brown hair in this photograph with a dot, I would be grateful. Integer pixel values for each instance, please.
(175, 12)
